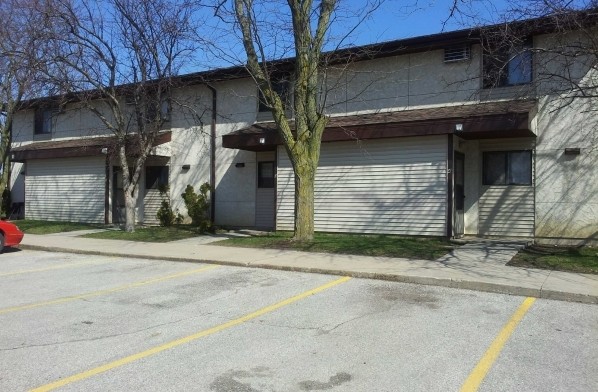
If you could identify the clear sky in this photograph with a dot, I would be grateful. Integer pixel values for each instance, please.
(393, 20)
(397, 19)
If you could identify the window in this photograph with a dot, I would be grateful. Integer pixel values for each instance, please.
(44, 121)
(152, 107)
(281, 86)
(508, 66)
(507, 168)
(152, 111)
(156, 177)
(265, 174)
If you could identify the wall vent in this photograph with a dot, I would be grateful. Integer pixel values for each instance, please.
(457, 53)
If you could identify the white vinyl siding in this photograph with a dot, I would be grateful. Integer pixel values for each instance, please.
(507, 210)
(392, 186)
(151, 204)
(68, 189)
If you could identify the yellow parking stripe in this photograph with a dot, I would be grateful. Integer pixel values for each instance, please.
(61, 266)
(479, 372)
(187, 339)
(107, 291)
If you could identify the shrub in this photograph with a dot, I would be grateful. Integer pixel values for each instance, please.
(5, 203)
(198, 205)
(165, 214)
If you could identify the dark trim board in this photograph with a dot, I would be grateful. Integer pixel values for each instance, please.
(83, 147)
(479, 121)
(449, 186)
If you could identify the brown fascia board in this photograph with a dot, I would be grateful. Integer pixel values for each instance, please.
(479, 127)
(83, 147)
(541, 25)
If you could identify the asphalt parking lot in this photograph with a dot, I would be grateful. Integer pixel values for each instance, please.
(90, 323)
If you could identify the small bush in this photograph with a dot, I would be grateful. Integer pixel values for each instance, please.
(165, 214)
(6, 202)
(198, 205)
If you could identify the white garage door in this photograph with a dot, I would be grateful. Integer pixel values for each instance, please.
(392, 186)
(66, 189)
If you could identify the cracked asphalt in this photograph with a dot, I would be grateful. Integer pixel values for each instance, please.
(90, 323)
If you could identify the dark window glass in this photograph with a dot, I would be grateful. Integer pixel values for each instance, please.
(508, 66)
(44, 120)
(156, 176)
(494, 168)
(507, 168)
(265, 175)
(281, 87)
(520, 168)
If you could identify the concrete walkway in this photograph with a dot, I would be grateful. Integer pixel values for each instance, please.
(476, 266)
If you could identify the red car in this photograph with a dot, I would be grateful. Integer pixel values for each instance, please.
(10, 235)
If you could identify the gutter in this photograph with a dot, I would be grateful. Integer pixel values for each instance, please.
(213, 154)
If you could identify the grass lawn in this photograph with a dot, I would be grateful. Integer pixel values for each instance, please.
(353, 244)
(149, 234)
(584, 259)
(50, 227)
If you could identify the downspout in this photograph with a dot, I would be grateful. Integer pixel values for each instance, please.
(213, 155)
(449, 186)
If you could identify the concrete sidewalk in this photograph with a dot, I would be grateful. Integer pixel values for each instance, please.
(475, 266)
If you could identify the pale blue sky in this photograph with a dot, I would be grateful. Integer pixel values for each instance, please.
(395, 19)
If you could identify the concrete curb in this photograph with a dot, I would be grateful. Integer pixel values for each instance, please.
(430, 281)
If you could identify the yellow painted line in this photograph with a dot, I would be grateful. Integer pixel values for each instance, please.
(106, 291)
(187, 339)
(478, 374)
(55, 267)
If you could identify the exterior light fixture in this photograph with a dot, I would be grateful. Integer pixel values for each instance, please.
(458, 127)
(186, 167)
(573, 151)
(262, 140)
(240, 164)
(104, 150)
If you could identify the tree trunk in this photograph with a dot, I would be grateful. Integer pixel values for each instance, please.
(304, 201)
(4, 182)
(130, 204)
(6, 165)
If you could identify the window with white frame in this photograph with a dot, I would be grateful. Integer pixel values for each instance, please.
(507, 168)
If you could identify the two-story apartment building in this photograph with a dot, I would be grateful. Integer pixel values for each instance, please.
(427, 136)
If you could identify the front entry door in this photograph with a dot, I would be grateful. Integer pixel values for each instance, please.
(459, 199)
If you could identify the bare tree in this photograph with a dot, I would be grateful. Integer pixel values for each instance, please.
(22, 62)
(304, 30)
(119, 58)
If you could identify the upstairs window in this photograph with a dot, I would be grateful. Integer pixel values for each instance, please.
(507, 168)
(282, 87)
(44, 121)
(508, 64)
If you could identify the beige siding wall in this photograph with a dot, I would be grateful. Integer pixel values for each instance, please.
(65, 189)
(151, 204)
(394, 186)
(567, 185)
(506, 211)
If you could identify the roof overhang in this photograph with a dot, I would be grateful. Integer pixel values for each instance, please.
(82, 147)
(505, 119)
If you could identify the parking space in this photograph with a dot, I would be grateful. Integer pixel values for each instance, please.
(77, 322)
